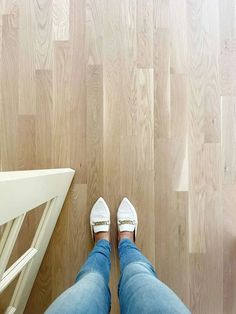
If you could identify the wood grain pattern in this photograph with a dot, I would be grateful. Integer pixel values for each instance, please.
(228, 47)
(94, 31)
(61, 107)
(139, 97)
(229, 139)
(162, 82)
(144, 33)
(94, 133)
(60, 15)
(44, 109)
(26, 142)
(43, 29)
(204, 97)
(229, 248)
(9, 91)
(77, 90)
(27, 52)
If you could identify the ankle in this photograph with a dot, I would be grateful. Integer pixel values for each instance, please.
(126, 235)
(102, 236)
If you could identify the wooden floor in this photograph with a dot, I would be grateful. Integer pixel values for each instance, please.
(139, 96)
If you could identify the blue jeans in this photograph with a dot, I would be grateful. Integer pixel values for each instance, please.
(139, 289)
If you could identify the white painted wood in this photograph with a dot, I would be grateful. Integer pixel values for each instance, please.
(8, 241)
(30, 189)
(9, 175)
(11, 273)
(10, 310)
(40, 242)
(5, 234)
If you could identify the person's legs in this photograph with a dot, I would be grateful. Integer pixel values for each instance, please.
(129, 253)
(140, 291)
(91, 294)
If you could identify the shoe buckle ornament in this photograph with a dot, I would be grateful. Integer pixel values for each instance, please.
(126, 222)
(100, 223)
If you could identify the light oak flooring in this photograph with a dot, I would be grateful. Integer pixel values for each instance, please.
(139, 96)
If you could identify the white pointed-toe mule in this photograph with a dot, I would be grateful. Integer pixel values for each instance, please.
(127, 219)
(100, 217)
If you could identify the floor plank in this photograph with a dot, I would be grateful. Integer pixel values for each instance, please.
(229, 194)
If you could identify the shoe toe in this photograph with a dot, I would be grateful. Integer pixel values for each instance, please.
(100, 208)
(126, 209)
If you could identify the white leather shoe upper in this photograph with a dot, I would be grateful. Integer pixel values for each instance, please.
(127, 219)
(100, 217)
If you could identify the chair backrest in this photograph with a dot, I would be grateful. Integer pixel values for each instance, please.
(20, 192)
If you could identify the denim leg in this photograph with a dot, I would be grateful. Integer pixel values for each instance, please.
(140, 291)
(90, 294)
(98, 261)
(129, 253)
